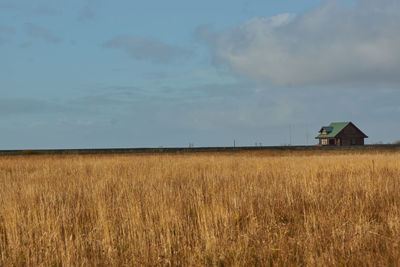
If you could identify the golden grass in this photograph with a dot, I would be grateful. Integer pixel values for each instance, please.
(205, 209)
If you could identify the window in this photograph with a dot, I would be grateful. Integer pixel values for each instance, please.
(324, 141)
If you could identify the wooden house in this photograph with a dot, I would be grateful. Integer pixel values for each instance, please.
(341, 134)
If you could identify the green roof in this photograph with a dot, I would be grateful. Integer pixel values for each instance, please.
(333, 129)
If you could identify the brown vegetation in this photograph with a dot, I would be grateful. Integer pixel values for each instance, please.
(204, 209)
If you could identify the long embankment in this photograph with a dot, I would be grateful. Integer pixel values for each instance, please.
(180, 150)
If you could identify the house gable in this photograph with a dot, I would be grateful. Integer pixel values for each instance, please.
(351, 131)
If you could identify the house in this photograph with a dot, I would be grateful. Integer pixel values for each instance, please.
(341, 134)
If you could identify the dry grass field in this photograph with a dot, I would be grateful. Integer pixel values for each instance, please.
(201, 209)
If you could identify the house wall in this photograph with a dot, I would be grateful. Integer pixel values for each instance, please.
(352, 141)
(328, 141)
(351, 136)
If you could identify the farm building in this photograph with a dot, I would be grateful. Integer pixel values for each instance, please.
(341, 134)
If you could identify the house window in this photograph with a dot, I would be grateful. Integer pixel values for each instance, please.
(324, 141)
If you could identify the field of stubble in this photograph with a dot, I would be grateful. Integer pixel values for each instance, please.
(200, 209)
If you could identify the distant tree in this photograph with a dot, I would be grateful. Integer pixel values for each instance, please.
(397, 142)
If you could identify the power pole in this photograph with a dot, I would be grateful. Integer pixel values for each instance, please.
(307, 135)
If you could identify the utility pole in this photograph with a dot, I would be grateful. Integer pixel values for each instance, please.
(307, 135)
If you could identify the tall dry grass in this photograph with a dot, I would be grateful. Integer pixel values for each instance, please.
(211, 209)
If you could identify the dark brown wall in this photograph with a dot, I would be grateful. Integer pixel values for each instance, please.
(350, 135)
(352, 141)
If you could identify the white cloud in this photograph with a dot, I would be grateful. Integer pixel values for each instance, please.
(144, 48)
(332, 43)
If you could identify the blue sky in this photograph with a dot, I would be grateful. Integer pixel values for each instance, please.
(94, 74)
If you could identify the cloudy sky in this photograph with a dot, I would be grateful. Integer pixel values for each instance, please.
(123, 73)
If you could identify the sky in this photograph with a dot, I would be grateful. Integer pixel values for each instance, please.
(108, 74)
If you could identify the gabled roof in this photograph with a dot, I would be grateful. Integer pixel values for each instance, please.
(333, 129)
(326, 128)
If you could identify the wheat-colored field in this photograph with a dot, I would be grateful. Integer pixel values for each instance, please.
(200, 209)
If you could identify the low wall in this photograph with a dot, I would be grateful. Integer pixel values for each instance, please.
(179, 150)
